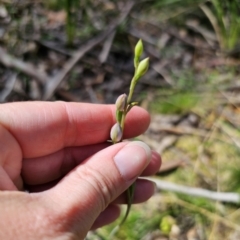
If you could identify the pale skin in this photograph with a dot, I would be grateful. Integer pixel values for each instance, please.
(59, 153)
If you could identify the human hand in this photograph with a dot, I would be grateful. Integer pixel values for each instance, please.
(58, 151)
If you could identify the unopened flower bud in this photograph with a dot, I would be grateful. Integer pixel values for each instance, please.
(138, 49)
(116, 133)
(138, 52)
(142, 68)
(121, 102)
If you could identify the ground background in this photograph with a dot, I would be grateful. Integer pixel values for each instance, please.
(82, 51)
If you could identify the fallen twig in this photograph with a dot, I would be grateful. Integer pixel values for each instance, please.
(52, 46)
(197, 192)
(27, 68)
(106, 48)
(8, 87)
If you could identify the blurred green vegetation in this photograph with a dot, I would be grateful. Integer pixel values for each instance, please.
(177, 102)
(226, 22)
(223, 17)
(70, 7)
(139, 223)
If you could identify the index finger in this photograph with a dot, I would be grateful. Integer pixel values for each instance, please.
(42, 128)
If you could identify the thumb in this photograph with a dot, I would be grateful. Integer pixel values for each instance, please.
(87, 190)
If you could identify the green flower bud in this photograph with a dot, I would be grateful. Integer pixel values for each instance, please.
(121, 102)
(116, 133)
(142, 68)
(138, 52)
(138, 49)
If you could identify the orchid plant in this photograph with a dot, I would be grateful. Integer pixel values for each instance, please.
(124, 104)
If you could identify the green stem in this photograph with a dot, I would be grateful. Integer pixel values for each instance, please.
(123, 120)
(131, 90)
(130, 194)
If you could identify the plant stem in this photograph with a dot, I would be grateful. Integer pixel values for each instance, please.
(131, 90)
(123, 120)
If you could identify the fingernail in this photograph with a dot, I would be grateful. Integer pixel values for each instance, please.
(132, 159)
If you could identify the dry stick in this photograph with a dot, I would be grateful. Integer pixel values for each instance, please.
(8, 87)
(52, 85)
(197, 192)
(106, 48)
(52, 46)
(27, 68)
